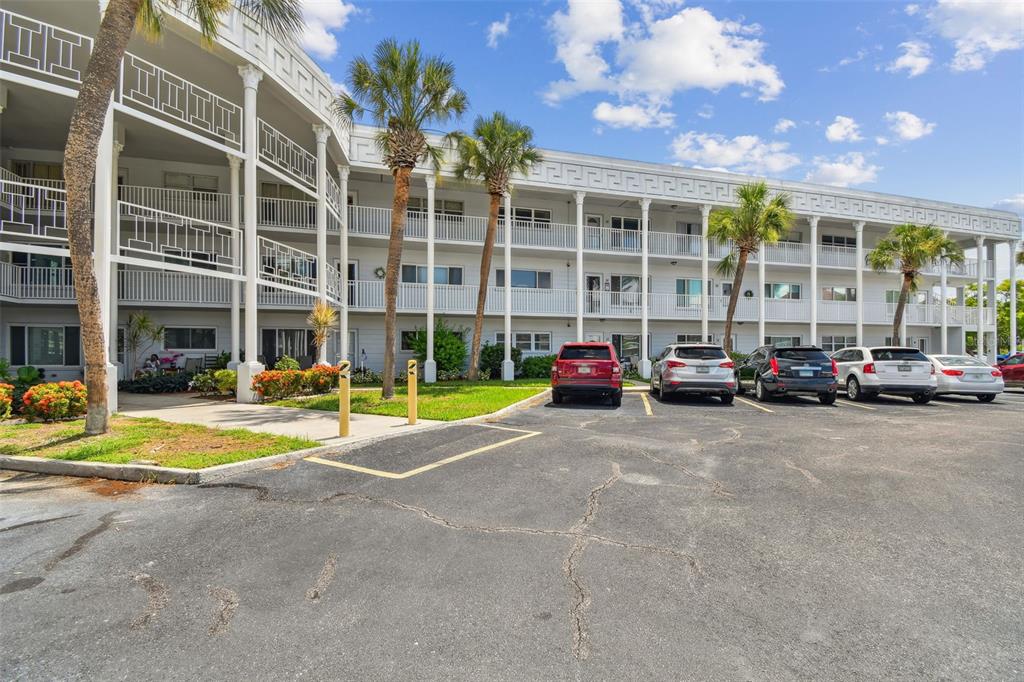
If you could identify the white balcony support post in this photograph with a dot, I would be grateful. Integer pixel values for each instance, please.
(508, 368)
(430, 366)
(980, 283)
(993, 303)
(903, 322)
(115, 240)
(858, 228)
(1014, 245)
(343, 350)
(104, 211)
(762, 256)
(235, 164)
(813, 220)
(705, 295)
(322, 133)
(943, 312)
(580, 196)
(251, 77)
(645, 228)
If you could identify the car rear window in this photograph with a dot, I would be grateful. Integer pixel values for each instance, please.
(585, 353)
(700, 353)
(810, 354)
(960, 361)
(906, 354)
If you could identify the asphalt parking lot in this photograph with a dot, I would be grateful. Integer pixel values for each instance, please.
(676, 539)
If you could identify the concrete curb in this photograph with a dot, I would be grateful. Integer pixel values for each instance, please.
(636, 389)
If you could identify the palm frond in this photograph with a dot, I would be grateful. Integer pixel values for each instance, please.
(282, 18)
(498, 149)
(149, 21)
(727, 266)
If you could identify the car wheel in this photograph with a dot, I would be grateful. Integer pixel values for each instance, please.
(739, 385)
(853, 391)
(922, 398)
(826, 398)
(726, 398)
(617, 399)
(655, 389)
(556, 397)
(987, 398)
(759, 391)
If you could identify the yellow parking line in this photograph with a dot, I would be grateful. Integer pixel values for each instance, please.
(850, 403)
(753, 404)
(647, 405)
(428, 467)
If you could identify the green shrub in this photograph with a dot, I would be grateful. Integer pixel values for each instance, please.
(491, 357)
(203, 383)
(25, 378)
(6, 398)
(365, 375)
(538, 366)
(49, 402)
(157, 383)
(286, 362)
(449, 347)
(320, 379)
(450, 376)
(738, 357)
(226, 381)
(223, 358)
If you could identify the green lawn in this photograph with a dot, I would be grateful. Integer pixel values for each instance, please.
(445, 402)
(186, 446)
(545, 382)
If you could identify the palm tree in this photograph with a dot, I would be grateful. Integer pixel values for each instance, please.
(498, 148)
(1020, 258)
(321, 319)
(401, 91)
(910, 249)
(759, 219)
(119, 20)
(140, 330)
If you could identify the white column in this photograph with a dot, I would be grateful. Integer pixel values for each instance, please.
(943, 312)
(430, 366)
(343, 349)
(235, 164)
(993, 303)
(103, 220)
(903, 323)
(980, 282)
(115, 245)
(1014, 245)
(645, 228)
(858, 228)
(322, 133)
(813, 220)
(251, 77)
(508, 368)
(705, 295)
(761, 258)
(579, 265)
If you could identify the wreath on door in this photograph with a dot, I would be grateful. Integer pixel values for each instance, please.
(379, 272)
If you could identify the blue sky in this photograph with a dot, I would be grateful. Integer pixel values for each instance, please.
(919, 99)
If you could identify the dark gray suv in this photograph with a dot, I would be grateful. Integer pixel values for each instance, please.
(774, 371)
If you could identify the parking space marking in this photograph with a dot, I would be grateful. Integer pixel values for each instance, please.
(850, 403)
(753, 404)
(524, 434)
(647, 405)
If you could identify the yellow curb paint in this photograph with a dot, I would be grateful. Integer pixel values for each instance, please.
(647, 405)
(848, 403)
(752, 404)
(434, 465)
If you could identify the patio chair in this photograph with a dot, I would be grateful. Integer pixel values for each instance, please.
(193, 365)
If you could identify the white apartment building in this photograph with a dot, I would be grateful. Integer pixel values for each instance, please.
(223, 180)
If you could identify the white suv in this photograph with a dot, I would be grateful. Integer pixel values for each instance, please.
(866, 372)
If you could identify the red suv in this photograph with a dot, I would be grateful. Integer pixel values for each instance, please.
(1013, 370)
(586, 369)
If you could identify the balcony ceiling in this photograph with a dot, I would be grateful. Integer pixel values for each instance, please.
(34, 119)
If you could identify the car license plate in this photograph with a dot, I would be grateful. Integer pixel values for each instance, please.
(806, 372)
(703, 370)
(904, 368)
(584, 369)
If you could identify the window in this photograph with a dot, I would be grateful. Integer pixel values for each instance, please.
(408, 337)
(781, 291)
(625, 283)
(441, 206)
(43, 346)
(892, 297)
(833, 343)
(277, 190)
(689, 338)
(528, 342)
(628, 346)
(838, 240)
(839, 293)
(804, 354)
(203, 184)
(624, 223)
(525, 279)
(783, 341)
(38, 170)
(898, 354)
(688, 292)
(443, 274)
(593, 220)
(792, 237)
(700, 353)
(190, 338)
(295, 343)
(585, 353)
(535, 217)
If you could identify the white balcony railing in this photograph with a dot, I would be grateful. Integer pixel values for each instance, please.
(280, 152)
(30, 211)
(174, 239)
(47, 50)
(837, 256)
(286, 266)
(611, 239)
(291, 213)
(209, 206)
(543, 235)
(669, 244)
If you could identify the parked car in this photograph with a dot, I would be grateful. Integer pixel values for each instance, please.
(867, 372)
(964, 375)
(586, 369)
(696, 369)
(1013, 370)
(775, 371)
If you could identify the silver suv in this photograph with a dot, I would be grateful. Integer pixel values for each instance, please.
(866, 372)
(694, 368)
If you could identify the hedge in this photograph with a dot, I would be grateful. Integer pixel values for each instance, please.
(50, 402)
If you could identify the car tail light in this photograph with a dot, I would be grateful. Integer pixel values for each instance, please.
(672, 364)
(951, 372)
(728, 363)
(996, 373)
(869, 368)
(933, 369)
(616, 369)
(835, 369)
(775, 366)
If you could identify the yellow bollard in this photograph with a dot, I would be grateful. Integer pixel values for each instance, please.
(344, 397)
(412, 392)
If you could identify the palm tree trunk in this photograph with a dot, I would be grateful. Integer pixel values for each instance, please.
(399, 204)
(897, 320)
(737, 282)
(84, 133)
(485, 275)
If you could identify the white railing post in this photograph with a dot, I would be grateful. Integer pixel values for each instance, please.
(322, 133)
(705, 213)
(858, 228)
(104, 210)
(508, 368)
(234, 164)
(645, 354)
(762, 257)
(343, 349)
(115, 234)
(429, 366)
(1014, 245)
(993, 301)
(251, 77)
(943, 313)
(580, 196)
(813, 220)
(980, 241)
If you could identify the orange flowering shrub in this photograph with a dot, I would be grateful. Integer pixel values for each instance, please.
(320, 379)
(274, 384)
(6, 397)
(49, 402)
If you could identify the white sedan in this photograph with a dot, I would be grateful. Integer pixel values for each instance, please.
(964, 375)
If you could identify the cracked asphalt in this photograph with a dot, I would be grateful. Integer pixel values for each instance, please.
(877, 540)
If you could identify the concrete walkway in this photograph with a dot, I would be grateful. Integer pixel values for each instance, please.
(285, 421)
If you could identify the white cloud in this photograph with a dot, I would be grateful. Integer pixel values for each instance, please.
(881, 141)
(634, 116)
(707, 111)
(322, 18)
(651, 60)
(784, 125)
(915, 60)
(743, 153)
(907, 126)
(497, 30)
(843, 129)
(1014, 204)
(911, 10)
(843, 171)
(979, 30)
